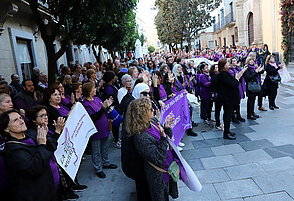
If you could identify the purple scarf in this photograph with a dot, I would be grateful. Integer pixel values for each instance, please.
(274, 65)
(66, 100)
(63, 111)
(258, 76)
(154, 131)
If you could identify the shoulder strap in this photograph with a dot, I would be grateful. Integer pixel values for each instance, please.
(157, 168)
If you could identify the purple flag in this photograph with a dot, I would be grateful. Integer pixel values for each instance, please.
(179, 108)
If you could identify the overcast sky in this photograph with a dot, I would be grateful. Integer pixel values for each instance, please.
(146, 15)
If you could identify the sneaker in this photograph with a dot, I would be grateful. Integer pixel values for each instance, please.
(117, 144)
(206, 121)
(181, 144)
(220, 127)
(276, 107)
(79, 188)
(262, 108)
(70, 196)
(179, 148)
(101, 174)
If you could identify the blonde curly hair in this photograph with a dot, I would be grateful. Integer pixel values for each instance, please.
(137, 118)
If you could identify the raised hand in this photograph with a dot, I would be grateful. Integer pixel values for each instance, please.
(41, 136)
(59, 124)
(169, 121)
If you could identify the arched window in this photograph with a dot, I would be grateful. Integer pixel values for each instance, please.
(250, 28)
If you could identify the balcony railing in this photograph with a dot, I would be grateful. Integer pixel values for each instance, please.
(229, 18)
(224, 21)
(216, 27)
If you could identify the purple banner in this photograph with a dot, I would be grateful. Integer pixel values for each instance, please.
(177, 107)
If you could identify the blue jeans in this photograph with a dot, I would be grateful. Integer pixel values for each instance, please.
(100, 154)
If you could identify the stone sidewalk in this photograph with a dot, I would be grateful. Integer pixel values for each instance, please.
(258, 166)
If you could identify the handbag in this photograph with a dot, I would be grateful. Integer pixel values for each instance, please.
(275, 78)
(253, 87)
(173, 170)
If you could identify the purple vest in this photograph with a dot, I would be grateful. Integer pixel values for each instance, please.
(102, 123)
(242, 84)
(205, 92)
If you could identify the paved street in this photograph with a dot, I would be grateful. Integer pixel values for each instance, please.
(258, 166)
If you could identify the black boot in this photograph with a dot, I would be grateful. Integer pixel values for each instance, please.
(190, 132)
(228, 136)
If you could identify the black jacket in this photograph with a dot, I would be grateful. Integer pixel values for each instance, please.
(251, 76)
(268, 84)
(227, 89)
(29, 173)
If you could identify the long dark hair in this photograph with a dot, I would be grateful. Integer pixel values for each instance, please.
(221, 65)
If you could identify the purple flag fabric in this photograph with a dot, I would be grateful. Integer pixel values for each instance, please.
(179, 108)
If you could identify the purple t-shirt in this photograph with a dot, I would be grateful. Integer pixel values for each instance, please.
(102, 123)
(52, 163)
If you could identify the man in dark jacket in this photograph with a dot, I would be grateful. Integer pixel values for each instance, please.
(28, 97)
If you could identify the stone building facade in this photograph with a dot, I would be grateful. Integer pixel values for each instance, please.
(245, 23)
(21, 45)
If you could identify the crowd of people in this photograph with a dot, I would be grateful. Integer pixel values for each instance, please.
(33, 115)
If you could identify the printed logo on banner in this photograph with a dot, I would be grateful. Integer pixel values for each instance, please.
(74, 139)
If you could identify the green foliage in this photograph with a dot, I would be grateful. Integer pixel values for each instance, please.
(151, 49)
(287, 19)
(177, 20)
(142, 39)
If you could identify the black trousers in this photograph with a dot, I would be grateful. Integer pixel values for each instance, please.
(115, 132)
(250, 105)
(217, 110)
(260, 98)
(205, 109)
(227, 117)
(237, 112)
(272, 94)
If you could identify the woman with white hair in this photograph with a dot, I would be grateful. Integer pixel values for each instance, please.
(127, 87)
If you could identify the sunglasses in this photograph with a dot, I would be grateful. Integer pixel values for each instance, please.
(145, 93)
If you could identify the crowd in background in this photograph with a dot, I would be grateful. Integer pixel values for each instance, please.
(33, 115)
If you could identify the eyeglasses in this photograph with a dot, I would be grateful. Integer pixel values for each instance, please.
(43, 116)
(145, 93)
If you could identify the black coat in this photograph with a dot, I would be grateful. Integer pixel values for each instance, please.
(29, 173)
(251, 76)
(227, 89)
(268, 84)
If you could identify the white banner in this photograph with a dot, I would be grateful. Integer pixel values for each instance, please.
(192, 181)
(74, 138)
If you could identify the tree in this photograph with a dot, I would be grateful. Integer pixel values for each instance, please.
(142, 38)
(74, 21)
(185, 17)
(151, 49)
